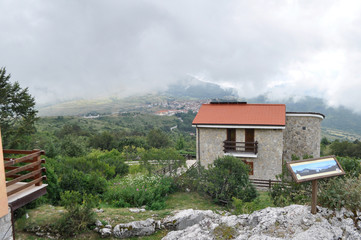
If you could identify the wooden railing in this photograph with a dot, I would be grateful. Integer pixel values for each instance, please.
(25, 169)
(232, 146)
(263, 183)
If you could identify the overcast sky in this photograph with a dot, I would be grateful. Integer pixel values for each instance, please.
(72, 49)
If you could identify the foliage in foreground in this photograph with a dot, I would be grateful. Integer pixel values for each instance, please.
(139, 190)
(288, 192)
(335, 193)
(261, 202)
(79, 215)
(225, 179)
(342, 192)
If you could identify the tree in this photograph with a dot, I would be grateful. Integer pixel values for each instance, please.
(228, 178)
(17, 113)
(158, 139)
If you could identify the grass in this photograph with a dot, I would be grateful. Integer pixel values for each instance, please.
(47, 214)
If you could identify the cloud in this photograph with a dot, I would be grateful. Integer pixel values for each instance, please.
(83, 49)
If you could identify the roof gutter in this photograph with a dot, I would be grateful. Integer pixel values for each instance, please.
(239, 126)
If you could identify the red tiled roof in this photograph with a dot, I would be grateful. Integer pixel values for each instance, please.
(241, 114)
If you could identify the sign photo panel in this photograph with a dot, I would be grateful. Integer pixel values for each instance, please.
(316, 168)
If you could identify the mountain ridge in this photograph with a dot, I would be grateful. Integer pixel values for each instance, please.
(340, 123)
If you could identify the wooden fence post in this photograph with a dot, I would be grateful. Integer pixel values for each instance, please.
(314, 197)
(37, 167)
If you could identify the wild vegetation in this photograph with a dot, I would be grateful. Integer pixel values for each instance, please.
(112, 161)
(334, 193)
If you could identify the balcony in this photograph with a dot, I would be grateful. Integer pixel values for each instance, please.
(24, 180)
(240, 149)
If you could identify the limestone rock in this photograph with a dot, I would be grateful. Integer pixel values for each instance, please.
(186, 218)
(135, 229)
(137, 210)
(98, 223)
(105, 232)
(291, 222)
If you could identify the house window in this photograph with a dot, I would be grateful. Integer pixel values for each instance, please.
(250, 165)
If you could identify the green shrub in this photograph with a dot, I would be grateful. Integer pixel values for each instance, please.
(241, 207)
(158, 205)
(351, 166)
(92, 183)
(139, 190)
(163, 156)
(287, 191)
(342, 192)
(134, 169)
(53, 189)
(113, 158)
(227, 178)
(79, 215)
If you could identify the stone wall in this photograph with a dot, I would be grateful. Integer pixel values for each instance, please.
(6, 231)
(268, 163)
(210, 144)
(302, 136)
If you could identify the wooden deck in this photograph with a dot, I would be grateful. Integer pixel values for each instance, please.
(24, 175)
(26, 195)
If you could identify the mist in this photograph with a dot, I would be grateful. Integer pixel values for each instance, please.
(63, 50)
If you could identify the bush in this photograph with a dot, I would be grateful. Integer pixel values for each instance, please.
(92, 183)
(228, 178)
(139, 190)
(79, 215)
(163, 156)
(351, 166)
(113, 158)
(287, 191)
(241, 207)
(342, 192)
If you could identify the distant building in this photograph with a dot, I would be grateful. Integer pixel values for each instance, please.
(169, 112)
(263, 136)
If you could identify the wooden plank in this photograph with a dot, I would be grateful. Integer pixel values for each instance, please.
(23, 168)
(21, 159)
(16, 151)
(23, 177)
(11, 167)
(24, 186)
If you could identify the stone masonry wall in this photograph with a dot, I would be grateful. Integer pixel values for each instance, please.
(210, 144)
(302, 136)
(6, 232)
(268, 163)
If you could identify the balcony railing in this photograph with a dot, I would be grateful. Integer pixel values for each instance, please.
(24, 170)
(240, 147)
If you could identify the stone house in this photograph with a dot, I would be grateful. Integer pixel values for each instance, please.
(263, 136)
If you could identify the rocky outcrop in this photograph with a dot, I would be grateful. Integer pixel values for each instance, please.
(292, 222)
(135, 229)
(186, 218)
